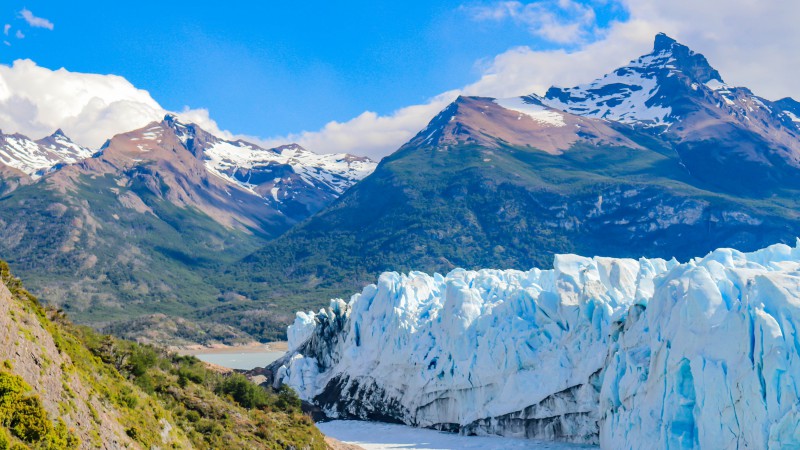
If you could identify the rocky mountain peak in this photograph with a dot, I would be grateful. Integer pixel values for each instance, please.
(663, 43)
(671, 55)
(650, 90)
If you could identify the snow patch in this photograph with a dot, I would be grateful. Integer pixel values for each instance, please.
(37, 157)
(792, 116)
(385, 436)
(538, 113)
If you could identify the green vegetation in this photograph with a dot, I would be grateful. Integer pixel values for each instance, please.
(143, 390)
(108, 265)
(23, 417)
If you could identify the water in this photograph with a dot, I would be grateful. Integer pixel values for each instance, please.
(384, 436)
(242, 361)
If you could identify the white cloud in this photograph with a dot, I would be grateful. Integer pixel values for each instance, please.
(20, 35)
(558, 21)
(369, 134)
(90, 108)
(6, 28)
(202, 118)
(36, 22)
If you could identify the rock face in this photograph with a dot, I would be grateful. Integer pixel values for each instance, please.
(621, 352)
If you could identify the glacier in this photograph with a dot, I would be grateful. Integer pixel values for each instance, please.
(623, 353)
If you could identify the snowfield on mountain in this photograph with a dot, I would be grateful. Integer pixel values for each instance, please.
(623, 353)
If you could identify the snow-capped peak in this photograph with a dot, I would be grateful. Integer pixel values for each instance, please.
(37, 157)
(239, 161)
(641, 92)
(283, 176)
(183, 131)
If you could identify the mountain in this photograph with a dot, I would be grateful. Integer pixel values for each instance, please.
(624, 353)
(142, 226)
(34, 158)
(711, 125)
(658, 158)
(66, 387)
(23, 160)
(289, 178)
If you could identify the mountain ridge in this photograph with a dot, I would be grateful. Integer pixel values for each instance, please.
(142, 226)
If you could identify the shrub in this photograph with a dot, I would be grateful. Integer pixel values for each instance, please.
(5, 441)
(142, 358)
(288, 399)
(27, 419)
(192, 415)
(243, 392)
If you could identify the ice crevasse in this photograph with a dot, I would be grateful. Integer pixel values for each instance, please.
(623, 353)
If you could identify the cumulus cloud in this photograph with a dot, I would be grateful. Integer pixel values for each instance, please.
(368, 134)
(36, 22)
(90, 108)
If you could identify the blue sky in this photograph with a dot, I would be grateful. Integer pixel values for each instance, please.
(272, 68)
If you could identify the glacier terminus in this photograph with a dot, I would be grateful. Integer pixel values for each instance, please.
(623, 353)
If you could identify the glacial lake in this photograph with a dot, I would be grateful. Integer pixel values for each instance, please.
(241, 360)
(384, 436)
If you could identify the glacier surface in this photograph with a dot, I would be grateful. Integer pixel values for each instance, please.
(618, 352)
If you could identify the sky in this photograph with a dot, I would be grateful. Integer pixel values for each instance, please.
(358, 76)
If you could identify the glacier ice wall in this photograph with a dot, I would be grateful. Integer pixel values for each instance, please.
(625, 353)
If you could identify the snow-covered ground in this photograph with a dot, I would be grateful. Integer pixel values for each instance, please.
(385, 436)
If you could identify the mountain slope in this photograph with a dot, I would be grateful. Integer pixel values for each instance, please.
(510, 182)
(65, 387)
(143, 225)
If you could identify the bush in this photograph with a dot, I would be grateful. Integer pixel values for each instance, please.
(142, 358)
(243, 392)
(192, 373)
(192, 415)
(27, 419)
(288, 399)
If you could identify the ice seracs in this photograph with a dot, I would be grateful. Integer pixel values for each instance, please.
(621, 352)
